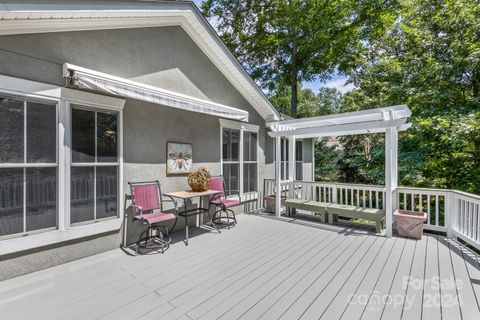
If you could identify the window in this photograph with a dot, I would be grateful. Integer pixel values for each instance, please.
(249, 161)
(28, 166)
(239, 157)
(94, 167)
(285, 159)
(39, 166)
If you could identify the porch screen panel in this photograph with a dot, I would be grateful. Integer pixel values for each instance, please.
(299, 160)
(28, 166)
(250, 161)
(231, 160)
(94, 172)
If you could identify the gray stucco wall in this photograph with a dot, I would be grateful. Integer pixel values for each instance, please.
(164, 57)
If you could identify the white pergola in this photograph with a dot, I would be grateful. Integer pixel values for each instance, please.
(388, 120)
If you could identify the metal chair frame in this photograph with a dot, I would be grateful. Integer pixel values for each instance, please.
(217, 216)
(164, 240)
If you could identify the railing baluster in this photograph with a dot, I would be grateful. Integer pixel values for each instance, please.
(413, 202)
(478, 222)
(428, 208)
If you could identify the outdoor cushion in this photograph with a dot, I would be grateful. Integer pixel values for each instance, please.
(153, 218)
(226, 202)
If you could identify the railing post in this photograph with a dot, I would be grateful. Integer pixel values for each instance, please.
(334, 194)
(450, 214)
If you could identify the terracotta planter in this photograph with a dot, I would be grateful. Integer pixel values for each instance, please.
(269, 202)
(410, 223)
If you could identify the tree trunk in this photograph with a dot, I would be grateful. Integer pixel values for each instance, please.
(294, 84)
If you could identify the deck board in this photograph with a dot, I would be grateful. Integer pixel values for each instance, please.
(468, 302)
(450, 304)
(412, 307)
(397, 291)
(264, 268)
(431, 308)
(361, 285)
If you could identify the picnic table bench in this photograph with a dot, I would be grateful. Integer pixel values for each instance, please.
(332, 211)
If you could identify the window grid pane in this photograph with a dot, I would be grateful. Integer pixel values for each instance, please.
(11, 201)
(12, 118)
(231, 174)
(82, 194)
(83, 135)
(41, 133)
(106, 192)
(230, 144)
(106, 137)
(41, 198)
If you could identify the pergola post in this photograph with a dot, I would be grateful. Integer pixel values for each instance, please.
(278, 187)
(391, 176)
(291, 165)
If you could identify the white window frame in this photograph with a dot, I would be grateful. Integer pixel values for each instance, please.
(25, 165)
(242, 127)
(96, 109)
(64, 98)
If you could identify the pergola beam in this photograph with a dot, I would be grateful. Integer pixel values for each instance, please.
(389, 113)
(341, 129)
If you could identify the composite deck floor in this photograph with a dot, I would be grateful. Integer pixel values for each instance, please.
(264, 268)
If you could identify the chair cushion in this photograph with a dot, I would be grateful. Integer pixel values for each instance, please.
(227, 203)
(156, 217)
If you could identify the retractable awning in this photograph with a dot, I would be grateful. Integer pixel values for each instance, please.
(97, 81)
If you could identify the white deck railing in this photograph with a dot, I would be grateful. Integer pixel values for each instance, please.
(453, 212)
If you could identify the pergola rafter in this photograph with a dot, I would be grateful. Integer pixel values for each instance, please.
(388, 120)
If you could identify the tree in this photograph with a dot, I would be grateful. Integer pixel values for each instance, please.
(287, 42)
(327, 101)
(430, 60)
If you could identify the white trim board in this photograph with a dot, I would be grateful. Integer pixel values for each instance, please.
(21, 18)
(37, 240)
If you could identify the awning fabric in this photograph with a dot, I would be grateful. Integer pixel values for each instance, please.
(96, 81)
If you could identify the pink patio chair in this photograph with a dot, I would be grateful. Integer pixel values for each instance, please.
(147, 206)
(222, 203)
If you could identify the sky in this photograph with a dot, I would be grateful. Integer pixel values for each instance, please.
(337, 81)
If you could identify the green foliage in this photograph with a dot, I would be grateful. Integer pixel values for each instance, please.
(327, 159)
(285, 42)
(327, 101)
(423, 53)
(430, 60)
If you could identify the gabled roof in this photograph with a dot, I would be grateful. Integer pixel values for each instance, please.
(20, 17)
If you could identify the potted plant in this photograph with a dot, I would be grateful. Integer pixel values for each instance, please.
(198, 180)
(410, 223)
(270, 203)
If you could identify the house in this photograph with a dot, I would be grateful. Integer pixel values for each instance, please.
(90, 94)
